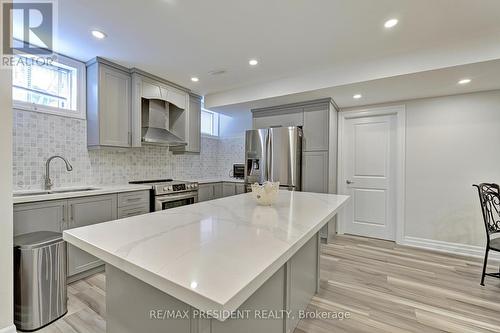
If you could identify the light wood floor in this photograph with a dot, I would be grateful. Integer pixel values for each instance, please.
(384, 287)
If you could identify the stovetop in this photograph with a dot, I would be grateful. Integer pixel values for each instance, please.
(151, 181)
(168, 186)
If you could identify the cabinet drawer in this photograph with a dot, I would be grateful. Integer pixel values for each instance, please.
(134, 210)
(133, 198)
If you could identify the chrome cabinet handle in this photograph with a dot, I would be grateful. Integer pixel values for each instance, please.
(71, 214)
(63, 217)
(349, 182)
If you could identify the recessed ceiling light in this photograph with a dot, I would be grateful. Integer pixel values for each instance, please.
(357, 96)
(390, 23)
(464, 81)
(253, 62)
(195, 79)
(98, 34)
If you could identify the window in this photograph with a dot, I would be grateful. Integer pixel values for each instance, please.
(57, 87)
(209, 122)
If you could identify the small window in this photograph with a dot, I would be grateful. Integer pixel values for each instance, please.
(57, 87)
(209, 122)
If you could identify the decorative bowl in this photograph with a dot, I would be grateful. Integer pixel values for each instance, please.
(265, 194)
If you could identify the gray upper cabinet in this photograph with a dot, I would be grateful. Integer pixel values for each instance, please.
(108, 104)
(316, 127)
(193, 127)
(40, 216)
(279, 118)
(87, 211)
(315, 172)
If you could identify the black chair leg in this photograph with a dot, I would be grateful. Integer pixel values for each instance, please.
(484, 266)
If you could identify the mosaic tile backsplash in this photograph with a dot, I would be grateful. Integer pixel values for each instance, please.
(37, 136)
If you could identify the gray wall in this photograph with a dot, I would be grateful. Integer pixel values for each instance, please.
(6, 304)
(451, 143)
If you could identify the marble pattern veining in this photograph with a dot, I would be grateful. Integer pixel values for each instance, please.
(231, 235)
(36, 136)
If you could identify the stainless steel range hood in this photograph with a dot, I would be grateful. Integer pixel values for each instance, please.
(155, 124)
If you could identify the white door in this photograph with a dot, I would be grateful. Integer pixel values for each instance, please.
(369, 171)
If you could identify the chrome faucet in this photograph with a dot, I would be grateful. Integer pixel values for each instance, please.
(48, 181)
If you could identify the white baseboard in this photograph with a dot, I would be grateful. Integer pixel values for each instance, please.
(8, 329)
(455, 248)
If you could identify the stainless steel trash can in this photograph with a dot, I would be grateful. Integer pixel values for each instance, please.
(40, 294)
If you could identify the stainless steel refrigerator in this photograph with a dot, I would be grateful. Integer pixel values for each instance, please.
(274, 154)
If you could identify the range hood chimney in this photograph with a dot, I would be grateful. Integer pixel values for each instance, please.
(156, 124)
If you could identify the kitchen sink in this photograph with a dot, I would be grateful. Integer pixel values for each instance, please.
(62, 190)
(29, 193)
(78, 189)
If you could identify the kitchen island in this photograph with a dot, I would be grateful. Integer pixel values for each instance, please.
(225, 265)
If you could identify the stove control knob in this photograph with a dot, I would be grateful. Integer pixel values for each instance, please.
(167, 188)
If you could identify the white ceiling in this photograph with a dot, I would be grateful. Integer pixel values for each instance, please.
(177, 39)
(442, 82)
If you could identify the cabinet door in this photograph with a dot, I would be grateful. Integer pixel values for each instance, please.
(40, 216)
(194, 137)
(240, 188)
(228, 189)
(293, 118)
(315, 128)
(205, 192)
(315, 172)
(114, 107)
(217, 190)
(88, 211)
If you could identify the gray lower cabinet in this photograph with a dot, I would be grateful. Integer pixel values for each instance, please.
(59, 215)
(212, 191)
(217, 190)
(40, 216)
(240, 188)
(87, 211)
(133, 203)
(205, 192)
(315, 171)
(228, 189)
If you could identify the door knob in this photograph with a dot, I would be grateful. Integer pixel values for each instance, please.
(349, 182)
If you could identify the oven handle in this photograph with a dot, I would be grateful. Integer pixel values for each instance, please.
(167, 198)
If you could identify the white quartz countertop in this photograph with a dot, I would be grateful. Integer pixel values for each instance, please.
(211, 255)
(74, 192)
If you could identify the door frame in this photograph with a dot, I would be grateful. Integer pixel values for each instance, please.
(400, 112)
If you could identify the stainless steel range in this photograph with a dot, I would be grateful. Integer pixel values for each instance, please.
(168, 193)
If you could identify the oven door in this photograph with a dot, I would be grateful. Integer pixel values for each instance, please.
(168, 201)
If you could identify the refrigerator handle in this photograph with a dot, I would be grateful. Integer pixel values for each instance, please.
(269, 156)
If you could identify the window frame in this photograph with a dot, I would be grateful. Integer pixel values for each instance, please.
(81, 92)
(215, 124)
